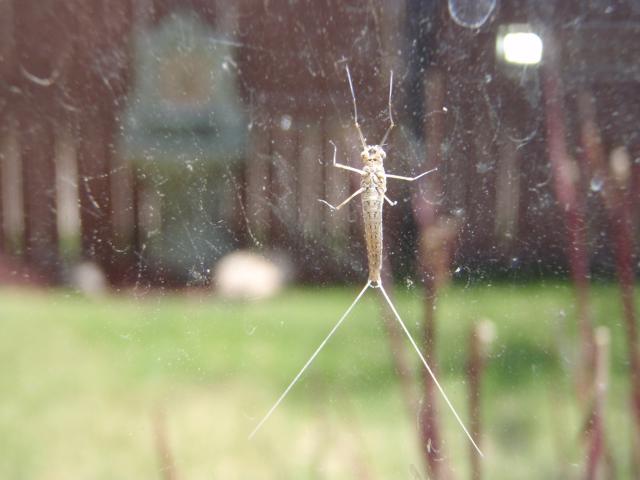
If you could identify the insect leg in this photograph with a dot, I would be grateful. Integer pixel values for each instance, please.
(390, 202)
(311, 359)
(411, 179)
(356, 193)
(355, 108)
(392, 124)
(340, 165)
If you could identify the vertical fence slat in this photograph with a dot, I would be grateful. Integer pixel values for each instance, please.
(36, 146)
(284, 182)
(310, 178)
(94, 186)
(337, 183)
(12, 197)
(258, 180)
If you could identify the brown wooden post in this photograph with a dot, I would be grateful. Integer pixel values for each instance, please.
(7, 69)
(98, 82)
(41, 54)
(4, 121)
(36, 140)
(94, 187)
(3, 134)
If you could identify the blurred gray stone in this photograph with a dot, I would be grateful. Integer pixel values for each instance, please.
(244, 275)
(88, 279)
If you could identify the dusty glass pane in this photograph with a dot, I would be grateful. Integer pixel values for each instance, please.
(181, 298)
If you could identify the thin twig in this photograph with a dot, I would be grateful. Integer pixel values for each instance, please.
(618, 202)
(165, 456)
(595, 433)
(479, 340)
(565, 174)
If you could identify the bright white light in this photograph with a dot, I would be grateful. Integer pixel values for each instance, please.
(524, 48)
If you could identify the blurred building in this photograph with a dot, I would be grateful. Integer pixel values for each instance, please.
(153, 136)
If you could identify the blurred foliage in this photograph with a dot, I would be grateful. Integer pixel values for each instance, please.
(83, 378)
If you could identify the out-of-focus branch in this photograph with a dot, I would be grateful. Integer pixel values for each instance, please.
(566, 176)
(622, 224)
(165, 456)
(425, 216)
(424, 202)
(616, 178)
(429, 424)
(482, 334)
(595, 427)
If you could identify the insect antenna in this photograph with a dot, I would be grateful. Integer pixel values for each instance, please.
(355, 108)
(384, 139)
(311, 359)
(426, 365)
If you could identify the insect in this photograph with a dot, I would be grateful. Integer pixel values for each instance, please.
(373, 189)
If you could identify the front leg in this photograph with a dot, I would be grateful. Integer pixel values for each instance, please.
(340, 165)
(355, 194)
(411, 179)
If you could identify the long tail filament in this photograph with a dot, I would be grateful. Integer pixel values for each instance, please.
(426, 365)
(330, 334)
(311, 359)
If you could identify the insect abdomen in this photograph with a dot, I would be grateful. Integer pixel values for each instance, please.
(372, 216)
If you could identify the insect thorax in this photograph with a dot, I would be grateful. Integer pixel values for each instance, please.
(374, 178)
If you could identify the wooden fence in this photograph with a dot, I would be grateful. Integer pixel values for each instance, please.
(68, 192)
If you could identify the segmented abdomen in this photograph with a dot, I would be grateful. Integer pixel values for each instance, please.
(372, 200)
(372, 216)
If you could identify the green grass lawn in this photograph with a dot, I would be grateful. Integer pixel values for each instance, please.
(83, 381)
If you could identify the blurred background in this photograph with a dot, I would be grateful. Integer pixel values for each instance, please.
(166, 268)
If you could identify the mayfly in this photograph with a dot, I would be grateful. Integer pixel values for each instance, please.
(373, 189)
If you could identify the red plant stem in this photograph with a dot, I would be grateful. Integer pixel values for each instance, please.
(621, 223)
(618, 203)
(430, 430)
(425, 215)
(475, 369)
(597, 445)
(565, 179)
(165, 456)
(626, 278)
